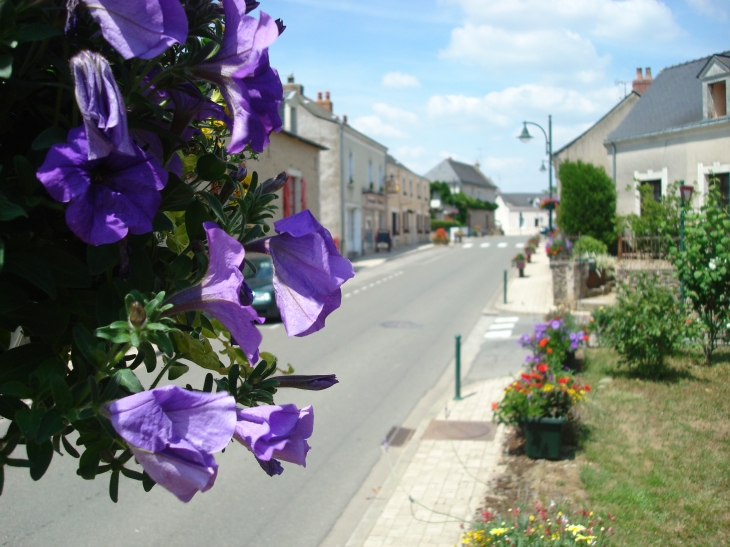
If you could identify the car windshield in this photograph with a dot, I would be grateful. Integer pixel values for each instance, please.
(264, 269)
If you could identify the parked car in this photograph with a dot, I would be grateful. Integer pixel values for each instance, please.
(261, 283)
(383, 240)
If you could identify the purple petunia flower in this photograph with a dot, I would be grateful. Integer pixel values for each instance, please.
(190, 104)
(173, 434)
(108, 197)
(140, 28)
(219, 292)
(555, 324)
(276, 432)
(101, 105)
(308, 272)
(241, 69)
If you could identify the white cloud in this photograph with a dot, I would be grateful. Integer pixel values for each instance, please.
(620, 21)
(406, 153)
(515, 103)
(708, 7)
(375, 127)
(396, 115)
(503, 49)
(399, 80)
(499, 164)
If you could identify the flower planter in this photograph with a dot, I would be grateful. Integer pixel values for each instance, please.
(543, 437)
(594, 280)
(520, 265)
(528, 254)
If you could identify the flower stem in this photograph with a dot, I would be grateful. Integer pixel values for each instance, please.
(163, 371)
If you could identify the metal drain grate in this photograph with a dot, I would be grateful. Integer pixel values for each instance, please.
(398, 436)
(443, 430)
(400, 325)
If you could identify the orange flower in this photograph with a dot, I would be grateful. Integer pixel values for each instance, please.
(585, 337)
(495, 406)
(542, 367)
(550, 351)
(563, 380)
(544, 342)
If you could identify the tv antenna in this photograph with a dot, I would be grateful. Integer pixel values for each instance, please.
(624, 83)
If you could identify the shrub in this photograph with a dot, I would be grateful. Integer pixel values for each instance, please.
(588, 244)
(440, 237)
(445, 224)
(588, 201)
(646, 326)
(703, 268)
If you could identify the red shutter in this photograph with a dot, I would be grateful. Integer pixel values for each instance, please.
(304, 193)
(287, 198)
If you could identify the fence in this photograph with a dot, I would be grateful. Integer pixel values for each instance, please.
(645, 248)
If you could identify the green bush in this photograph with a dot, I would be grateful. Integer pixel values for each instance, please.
(645, 326)
(445, 224)
(587, 201)
(588, 244)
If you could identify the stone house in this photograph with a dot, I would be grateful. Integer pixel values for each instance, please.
(352, 169)
(679, 130)
(520, 213)
(299, 158)
(409, 197)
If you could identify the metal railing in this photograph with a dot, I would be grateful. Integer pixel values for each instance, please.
(645, 247)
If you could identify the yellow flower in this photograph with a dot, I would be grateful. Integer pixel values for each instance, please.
(575, 528)
(498, 531)
(548, 387)
(587, 539)
(532, 518)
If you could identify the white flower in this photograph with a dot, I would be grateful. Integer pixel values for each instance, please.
(713, 266)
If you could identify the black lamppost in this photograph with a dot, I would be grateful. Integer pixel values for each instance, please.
(526, 137)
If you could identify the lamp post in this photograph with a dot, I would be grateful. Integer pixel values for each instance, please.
(526, 137)
(685, 198)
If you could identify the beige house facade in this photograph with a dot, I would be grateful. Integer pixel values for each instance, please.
(408, 204)
(352, 168)
(299, 159)
(678, 131)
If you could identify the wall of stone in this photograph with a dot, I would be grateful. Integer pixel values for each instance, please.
(569, 281)
(627, 271)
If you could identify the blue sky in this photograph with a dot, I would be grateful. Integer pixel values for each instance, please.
(439, 78)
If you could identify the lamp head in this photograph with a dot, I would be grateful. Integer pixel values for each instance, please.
(686, 191)
(525, 135)
(542, 167)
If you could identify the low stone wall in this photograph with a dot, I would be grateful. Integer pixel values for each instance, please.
(627, 271)
(569, 281)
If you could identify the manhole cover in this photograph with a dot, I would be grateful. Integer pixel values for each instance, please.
(400, 325)
(460, 431)
(398, 436)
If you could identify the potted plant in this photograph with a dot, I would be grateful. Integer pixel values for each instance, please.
(519, 262)
(540, 402)
(554, 343)
(440, 237)
(549, 203)
(557, 247)
(530, 249)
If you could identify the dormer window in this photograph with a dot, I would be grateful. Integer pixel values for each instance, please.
(715, 76)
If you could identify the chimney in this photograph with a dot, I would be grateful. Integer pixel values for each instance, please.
(476, 164)
(290, 85)
(344, 119)
(642, 82)
(326, 103)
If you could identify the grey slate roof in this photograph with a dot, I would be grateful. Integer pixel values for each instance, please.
(521, 201)
(673, 100)
(450, 170)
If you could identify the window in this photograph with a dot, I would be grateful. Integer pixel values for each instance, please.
(656, 188)
(721, 181)
(718, 99)
(350, 168)
(410, 184)
(380, 178)
(403, 182)
(371, 182)
(394, 220)
(406, 224)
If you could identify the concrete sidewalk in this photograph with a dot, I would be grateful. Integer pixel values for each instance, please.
(438, 479)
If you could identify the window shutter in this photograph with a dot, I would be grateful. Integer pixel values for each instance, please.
(304, 193)
(287, 198)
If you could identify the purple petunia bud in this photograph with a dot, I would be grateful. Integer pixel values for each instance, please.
(137, 314)
(317, 382)
(101, 105)
(280, 25)
(251, 5)
(272, 467)
(270, 186)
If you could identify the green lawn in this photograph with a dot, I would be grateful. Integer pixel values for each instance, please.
(659, 452)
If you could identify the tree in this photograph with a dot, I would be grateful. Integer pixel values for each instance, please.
(587, 201)
(461, 201)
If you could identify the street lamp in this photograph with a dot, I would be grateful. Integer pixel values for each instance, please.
(542, 167)
(526, 137)
(685, 197)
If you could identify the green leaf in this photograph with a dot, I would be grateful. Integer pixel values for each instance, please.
(10, 405)
(62, 397)
(114, 486)
(26, 175)
(101, 258)
(48, 137)
(41, 456)
(6, 66)
(67, 270)
(33, 269)
(176, 195)
(129, 381)
(29, 421)
(51, 425)
(9, 210)
(211, 167)
(34, 32)
(216, 207)
(69, 448)
(195, 215)
(175, 371)
(150, 358)
(162, 223)
(12, 298)
(91, 348)
(89, 461)
(18, 363)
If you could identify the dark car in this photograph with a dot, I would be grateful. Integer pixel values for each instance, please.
(383, 240)
(261, 283)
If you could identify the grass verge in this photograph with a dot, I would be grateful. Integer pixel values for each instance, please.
(658, 452)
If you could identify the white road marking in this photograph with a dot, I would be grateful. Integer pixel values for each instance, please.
(484, 245)
(506, 319)
(520, 245)
(502, 245)
(498, 334)
(467, 246)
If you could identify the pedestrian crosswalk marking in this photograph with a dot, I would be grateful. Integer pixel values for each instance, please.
(467, 245)
(498, 334)
(502, 245)
(520, 245)
(484, 245)
(506, 319)
(501, 327)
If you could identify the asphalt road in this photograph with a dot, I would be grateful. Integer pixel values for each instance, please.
(388, 344)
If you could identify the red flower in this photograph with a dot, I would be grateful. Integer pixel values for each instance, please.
(542, 367)
(495, 406)
(563, 380)
(585, 337)
(549, 351)
(586, 388)
(526, 376)
(544, 342)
